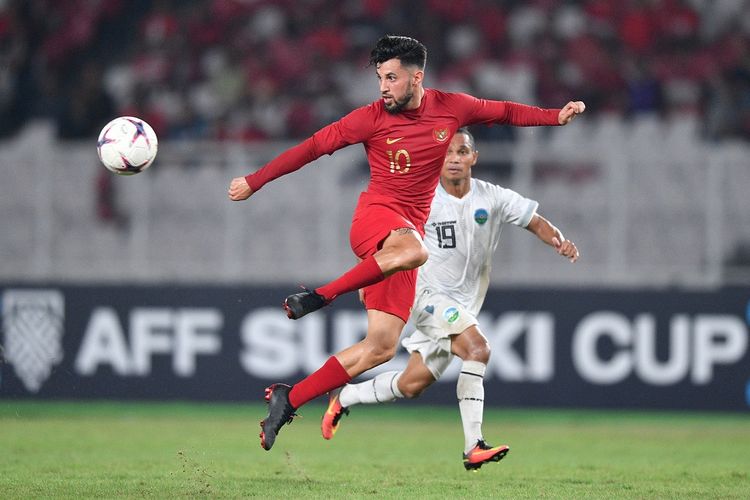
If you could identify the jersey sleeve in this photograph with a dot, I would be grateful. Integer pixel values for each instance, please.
(353, 128)
(514, 208)
(485, 111)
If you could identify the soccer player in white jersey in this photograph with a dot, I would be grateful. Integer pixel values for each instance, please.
(461, 235)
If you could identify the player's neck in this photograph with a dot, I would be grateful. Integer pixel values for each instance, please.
(416, 100)
(457, 188)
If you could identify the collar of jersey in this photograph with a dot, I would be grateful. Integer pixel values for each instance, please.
(441, 190)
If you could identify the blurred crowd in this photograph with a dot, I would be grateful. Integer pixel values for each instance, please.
(252, 70)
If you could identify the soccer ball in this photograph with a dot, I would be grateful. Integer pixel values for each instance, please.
(127, 145)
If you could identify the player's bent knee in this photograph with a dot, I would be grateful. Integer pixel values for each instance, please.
(414, 258)
(479, 352)
(421, 256)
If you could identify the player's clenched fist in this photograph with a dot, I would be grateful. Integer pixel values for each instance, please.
(567, 249)
(570, 111)
(239, 189)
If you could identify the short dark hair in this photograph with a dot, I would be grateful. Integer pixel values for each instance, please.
(409, 51)
(465, 131)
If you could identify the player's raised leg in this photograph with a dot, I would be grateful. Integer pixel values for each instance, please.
(402, 250)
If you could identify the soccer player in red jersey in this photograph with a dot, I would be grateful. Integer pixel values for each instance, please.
(405, 134)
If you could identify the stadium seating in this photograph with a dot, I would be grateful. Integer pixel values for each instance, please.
(656, 207)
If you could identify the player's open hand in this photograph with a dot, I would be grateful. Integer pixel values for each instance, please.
(239, 189)
(570, 111)
(567, 249)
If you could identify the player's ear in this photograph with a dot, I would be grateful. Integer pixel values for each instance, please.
(418, 77)
(476, 157)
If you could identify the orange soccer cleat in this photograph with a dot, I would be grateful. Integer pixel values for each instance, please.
(329, 424)
(483, 453)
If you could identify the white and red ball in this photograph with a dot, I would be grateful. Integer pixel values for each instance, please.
(127, 145)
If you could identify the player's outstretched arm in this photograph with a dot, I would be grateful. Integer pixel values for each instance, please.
(353, 128)
(239, 189)
(552, 236)
(570, 111)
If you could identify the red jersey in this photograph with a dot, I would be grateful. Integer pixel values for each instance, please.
(405, 150)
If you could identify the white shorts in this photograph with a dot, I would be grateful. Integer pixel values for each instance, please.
(436, 317)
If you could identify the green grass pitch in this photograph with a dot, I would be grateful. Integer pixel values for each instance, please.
(167, 450)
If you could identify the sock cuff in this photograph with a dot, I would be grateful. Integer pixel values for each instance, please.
(338, 369)
(329, 376)
(394, 385)
(476, 368)
(373, 266)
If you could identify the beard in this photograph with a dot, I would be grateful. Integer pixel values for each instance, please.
(396, 106)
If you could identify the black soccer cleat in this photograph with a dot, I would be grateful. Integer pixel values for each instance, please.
(482, 454)
(280, 412)
(299, 304)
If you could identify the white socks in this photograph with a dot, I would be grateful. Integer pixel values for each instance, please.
(470, 392)
(380, 389)
(469, 389)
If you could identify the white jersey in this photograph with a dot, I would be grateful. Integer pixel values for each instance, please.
(462, 234)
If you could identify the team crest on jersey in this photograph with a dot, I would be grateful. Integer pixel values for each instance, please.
(440, 134)
(450, 314)
(480, 216)
(33, 324)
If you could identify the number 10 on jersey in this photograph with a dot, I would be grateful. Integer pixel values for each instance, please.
(395, 161)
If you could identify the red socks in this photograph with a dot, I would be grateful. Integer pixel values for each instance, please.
(329, 376)
(363, 274)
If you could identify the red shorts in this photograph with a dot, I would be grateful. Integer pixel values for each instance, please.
(374, 219)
